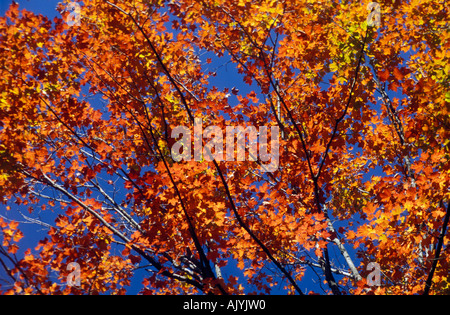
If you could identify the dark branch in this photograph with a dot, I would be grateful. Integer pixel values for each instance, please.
(438, 252)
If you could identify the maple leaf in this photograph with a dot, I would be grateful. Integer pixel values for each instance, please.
(384, 75)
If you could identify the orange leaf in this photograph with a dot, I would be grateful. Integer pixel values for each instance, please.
(384, 75)
(398, 74)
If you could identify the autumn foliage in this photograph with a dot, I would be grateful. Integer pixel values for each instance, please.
(86, 174)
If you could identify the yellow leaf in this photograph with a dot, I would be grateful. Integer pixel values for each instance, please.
(4, 104)
(342, 80)
(334, 67)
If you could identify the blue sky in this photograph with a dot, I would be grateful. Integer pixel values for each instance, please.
(44, 7)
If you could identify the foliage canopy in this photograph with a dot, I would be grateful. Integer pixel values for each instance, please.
(86, 113)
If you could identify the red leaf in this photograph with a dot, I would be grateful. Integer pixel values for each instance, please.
(383, 75)
(135, 259)
(398, 74)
